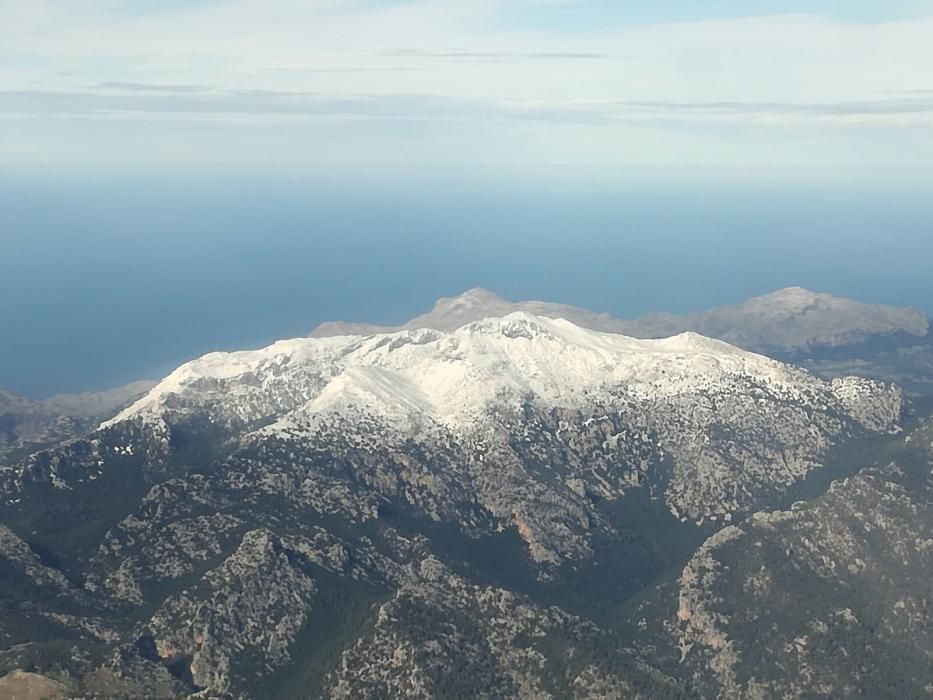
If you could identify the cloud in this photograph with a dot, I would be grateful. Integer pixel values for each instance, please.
(867, 111)
(253, 102)
(370, 69)
(207, 103)
(149, 87)
(495, 55)
(346, 69)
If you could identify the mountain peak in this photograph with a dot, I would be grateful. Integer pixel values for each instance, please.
(793, 293)
(800, 297)
(801, 316)
(475, 295)
(474, 304)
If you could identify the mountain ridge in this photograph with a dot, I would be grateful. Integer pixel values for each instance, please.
(788, 320)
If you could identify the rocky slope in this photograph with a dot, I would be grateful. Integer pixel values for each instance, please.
(829, 598)
(414, 514)
(855, 563)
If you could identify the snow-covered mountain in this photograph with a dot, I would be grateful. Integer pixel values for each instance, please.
(737, 425)
(452, 377)
(439, 513)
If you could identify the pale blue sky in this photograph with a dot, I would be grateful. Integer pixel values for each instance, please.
(592, 14)
(818, 89)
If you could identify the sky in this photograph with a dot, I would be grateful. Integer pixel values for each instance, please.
(585, 87)
(182, 176)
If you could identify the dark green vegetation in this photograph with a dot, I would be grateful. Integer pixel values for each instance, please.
(342, 612)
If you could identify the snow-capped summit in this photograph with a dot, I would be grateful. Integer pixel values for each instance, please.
(453, 377)
(459, 372)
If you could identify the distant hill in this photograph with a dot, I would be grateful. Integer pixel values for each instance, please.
(27, 425)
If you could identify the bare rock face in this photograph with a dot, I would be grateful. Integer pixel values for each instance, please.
(19, 557)
(855, 563)
(256, 600)
(19, 685)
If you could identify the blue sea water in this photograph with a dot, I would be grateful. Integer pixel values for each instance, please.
(107, 279)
